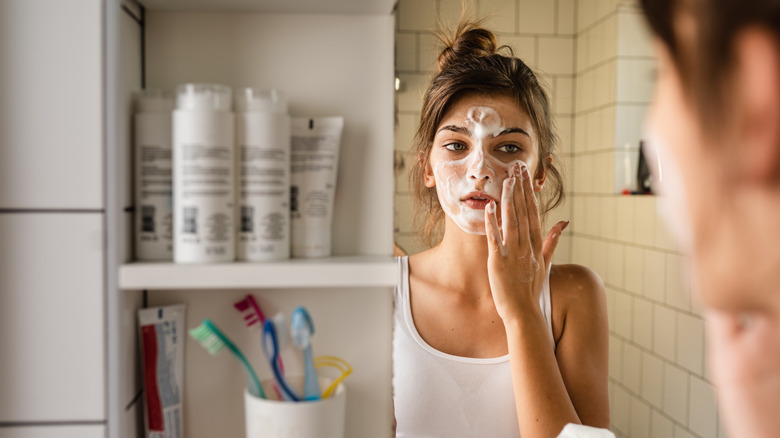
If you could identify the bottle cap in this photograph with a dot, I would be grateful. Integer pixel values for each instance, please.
(153, 101)
(210, 97)
(252, 99)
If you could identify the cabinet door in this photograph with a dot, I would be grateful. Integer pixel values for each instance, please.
(53, 432)
(51, 317)
(51, 112)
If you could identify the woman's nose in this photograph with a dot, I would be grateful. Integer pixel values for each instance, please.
(480, 170)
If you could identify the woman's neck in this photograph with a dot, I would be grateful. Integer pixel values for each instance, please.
(461, 260)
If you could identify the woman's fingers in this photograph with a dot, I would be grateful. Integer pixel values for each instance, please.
(492, 230)
(521, 211)
(551, 242)
(509, 219)
(532, 212)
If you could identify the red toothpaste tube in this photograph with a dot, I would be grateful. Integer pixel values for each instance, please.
(162, 335)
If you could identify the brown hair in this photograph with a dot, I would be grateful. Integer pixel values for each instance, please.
(699, 35)
(472, 62)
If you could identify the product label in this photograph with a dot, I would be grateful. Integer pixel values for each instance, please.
(314, 158)
(204, 185)
(161, 342)
(263, 190)
(314, 164)
(263, 162)
(206, 175)
(153, 187)
(207, 171)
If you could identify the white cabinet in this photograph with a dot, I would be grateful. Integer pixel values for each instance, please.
(51, 111)
(330, 58)
(51, 314)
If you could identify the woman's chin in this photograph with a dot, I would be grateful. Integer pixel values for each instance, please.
(476, 228)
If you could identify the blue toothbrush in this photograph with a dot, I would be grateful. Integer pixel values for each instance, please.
(302, 329)
(271, 349)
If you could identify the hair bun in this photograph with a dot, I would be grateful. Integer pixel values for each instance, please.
(469, 41)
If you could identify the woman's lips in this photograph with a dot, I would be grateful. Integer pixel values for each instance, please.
(477, 200)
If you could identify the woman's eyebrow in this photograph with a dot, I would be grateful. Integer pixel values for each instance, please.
(513, 131)
(454, 128)
(465, 131)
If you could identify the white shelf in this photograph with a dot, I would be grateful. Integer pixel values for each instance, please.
(357, 271)
(348, 7)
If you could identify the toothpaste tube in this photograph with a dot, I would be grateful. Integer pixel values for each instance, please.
(162, 354)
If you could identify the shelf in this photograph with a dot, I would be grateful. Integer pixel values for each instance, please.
(357, 271)
(349, 7)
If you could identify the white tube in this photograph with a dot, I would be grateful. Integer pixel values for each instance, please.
(162, 335)
(263, 173)
(203, 175)
(315, 158)
(153, 176)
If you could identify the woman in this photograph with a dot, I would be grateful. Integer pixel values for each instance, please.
(715, 123)
(490, 338)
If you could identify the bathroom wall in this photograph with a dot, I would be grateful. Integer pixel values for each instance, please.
(597, 60)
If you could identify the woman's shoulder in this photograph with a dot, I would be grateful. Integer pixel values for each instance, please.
(578, 299)
(572, 284)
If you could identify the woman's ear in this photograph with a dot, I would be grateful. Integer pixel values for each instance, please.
(541, 176)
(428, 177)
(757, 95)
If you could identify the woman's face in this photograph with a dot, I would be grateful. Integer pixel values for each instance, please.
(475, 146)
(674, 144)
(716, 216)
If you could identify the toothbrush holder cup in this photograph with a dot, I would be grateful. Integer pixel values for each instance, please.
(271, 418)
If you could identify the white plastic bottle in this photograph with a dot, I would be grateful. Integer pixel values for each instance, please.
(263, 168)
(203, 174)
(153, 175)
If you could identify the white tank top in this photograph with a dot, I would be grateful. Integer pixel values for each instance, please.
(436, 394)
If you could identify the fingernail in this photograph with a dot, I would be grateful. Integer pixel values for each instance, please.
(565, 225)
(491, 207)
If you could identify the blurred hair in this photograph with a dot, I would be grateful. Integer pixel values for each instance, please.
(700, 37)
(473, 63)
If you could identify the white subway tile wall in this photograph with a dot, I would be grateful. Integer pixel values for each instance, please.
(597, 60)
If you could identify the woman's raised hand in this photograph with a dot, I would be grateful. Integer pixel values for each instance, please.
(518, 259)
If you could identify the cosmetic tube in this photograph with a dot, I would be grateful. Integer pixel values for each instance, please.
(315, 157)
(162, 336)
(263, 175)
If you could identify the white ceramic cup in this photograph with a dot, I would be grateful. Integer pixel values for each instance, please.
(267, 418)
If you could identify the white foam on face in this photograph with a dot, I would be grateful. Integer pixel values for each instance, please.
(457, 178)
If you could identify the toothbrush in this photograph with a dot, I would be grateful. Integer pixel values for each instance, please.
(250, 310)
(273, 339)
(213, 340)
(252, 314)
(302, 329)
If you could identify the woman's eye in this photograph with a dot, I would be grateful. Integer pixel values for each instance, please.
(509, 148)
(455, 147)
